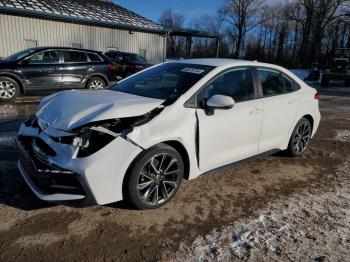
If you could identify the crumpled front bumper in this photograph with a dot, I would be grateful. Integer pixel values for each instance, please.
(59, 176)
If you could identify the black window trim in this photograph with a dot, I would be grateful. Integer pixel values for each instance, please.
(192, 101)
(61, 60)
(39, 52)
(97, 54)
(259, 85)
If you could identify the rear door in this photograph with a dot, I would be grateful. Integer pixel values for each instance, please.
(40, 71)
(74, 68)
(280, 105)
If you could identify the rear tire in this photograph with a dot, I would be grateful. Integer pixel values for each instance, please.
(155, 177)
(9, 89)
(96, 83)
(300, 138)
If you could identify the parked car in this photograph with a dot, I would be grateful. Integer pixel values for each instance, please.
(48, 69)
(175, 121)
(128, 63)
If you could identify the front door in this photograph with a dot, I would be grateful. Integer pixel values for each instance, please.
(229, 135)
(40, 71)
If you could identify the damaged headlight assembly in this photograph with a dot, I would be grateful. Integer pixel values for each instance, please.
(90, 138)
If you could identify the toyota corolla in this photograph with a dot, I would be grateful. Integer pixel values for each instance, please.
(174, 121)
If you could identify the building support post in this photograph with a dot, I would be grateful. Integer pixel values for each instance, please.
(217, 47)
(188, 47)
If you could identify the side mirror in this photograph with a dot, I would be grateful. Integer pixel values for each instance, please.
(220, 102)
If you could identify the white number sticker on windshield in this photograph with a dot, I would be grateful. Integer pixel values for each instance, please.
(192, 70)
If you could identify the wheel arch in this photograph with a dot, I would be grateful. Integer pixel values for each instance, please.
(178, 146)
(101, 76)
(310, 119)
(181, 149)
(15, 78)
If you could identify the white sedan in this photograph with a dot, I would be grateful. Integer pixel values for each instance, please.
(174, 121)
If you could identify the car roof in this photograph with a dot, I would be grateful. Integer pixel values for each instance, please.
(222, 62)
(42, 48)
(210, 61)
(125, 53)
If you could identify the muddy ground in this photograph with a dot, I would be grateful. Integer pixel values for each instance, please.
(276, 208)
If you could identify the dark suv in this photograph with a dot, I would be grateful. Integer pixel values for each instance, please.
(127, 63)
(48, 69)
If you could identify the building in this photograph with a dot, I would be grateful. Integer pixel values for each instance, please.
(92, 24)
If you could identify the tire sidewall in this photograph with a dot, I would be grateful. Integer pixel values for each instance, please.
(139, 163)
(17, 90)
(291, 150)
(96, 79)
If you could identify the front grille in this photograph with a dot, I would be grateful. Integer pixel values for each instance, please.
(47, 179)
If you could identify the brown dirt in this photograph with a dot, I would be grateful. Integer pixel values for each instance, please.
(31, 230)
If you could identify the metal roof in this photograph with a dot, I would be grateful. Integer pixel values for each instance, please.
(192, 32)
(94, 12)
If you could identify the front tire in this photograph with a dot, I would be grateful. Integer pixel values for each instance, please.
(155, 177)
(96, 83)
(9, 89)
(300, 138)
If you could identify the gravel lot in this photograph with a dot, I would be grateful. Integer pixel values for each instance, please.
(276, 208)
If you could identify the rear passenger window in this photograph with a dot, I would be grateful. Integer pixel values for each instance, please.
(94, 57)
(272, 82)
(290, 85)
(237, 84)
(74, 57)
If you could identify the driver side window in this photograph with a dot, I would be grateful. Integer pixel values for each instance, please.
(237, 83)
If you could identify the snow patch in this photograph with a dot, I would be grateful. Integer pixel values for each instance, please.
(343, 135)
(8, 139)
(302, 74)
(314, 225)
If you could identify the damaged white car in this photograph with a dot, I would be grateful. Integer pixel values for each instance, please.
(174, 121)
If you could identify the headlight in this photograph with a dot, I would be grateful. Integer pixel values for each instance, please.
(94, 136)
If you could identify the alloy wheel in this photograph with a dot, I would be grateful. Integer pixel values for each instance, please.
(96, 84)
(7, 90)
(158, 179)
(302, 137)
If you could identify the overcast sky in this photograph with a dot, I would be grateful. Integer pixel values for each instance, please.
(152, 9)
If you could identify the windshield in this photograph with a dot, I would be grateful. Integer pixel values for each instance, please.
(134, 57)
(167, 81)
(19, 55)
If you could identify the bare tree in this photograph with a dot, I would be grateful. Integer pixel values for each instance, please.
(315, 17)
(243, 16)
(172, 20)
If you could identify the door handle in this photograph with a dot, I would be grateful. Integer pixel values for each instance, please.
(255, 111)
(292, 101)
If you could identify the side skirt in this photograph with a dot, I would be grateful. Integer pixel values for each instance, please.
(240, 162)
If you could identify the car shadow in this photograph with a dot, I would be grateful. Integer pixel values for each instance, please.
(15, 193)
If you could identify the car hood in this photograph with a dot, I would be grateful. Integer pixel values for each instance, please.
(70, 109)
